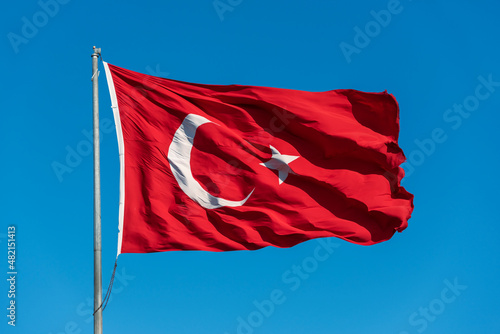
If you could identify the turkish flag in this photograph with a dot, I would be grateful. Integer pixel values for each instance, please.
(219, 168)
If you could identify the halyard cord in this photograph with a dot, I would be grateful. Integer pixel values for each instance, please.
(108, 293)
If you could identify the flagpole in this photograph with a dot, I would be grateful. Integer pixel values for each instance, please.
(97, 196)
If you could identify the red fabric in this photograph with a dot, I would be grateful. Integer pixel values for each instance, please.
(346, 181)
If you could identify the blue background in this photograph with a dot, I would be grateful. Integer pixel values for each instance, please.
(429, 54)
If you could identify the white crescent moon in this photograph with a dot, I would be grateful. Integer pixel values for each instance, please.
(179, 157)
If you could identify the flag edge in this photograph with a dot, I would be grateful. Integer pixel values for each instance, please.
(121, 153)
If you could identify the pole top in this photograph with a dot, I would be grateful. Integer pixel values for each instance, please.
(97, 52)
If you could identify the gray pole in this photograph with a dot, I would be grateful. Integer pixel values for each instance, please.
(97, 196)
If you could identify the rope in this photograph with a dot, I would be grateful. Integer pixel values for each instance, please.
(96, 72)
(105, 300)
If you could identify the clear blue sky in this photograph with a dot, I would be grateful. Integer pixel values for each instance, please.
(439, 59)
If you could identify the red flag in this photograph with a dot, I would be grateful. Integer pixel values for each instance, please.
(219, 168)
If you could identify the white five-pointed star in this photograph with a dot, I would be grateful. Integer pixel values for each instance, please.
(280, 162)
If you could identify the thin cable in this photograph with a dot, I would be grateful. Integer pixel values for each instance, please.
(96, 72)
(108, 293)
(100, 56)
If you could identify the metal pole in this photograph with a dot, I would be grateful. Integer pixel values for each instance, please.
(97, 196)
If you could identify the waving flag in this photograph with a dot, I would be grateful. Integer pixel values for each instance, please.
(219, 168)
